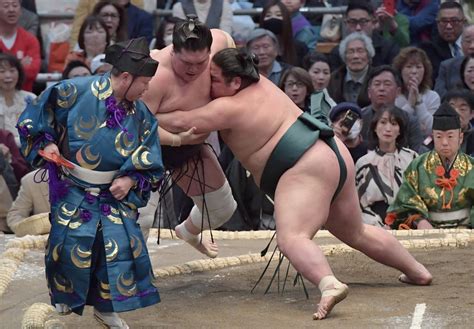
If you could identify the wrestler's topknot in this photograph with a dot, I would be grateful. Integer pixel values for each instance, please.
(191, 34)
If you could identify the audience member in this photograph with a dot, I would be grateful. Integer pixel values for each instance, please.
(114, 18)
(140, 23)
(297, 84)
(447, 44)
(384, 85)
(467, 73)
(449, 75)
(462, 102)
(359, 17)
(421, 16)
(264, 44)
(8, 188)
(319, 70)
(17, 41)
(12, 154)
(302, 28)
(416, 97)
(214, 13)
(32, 199)
(85, 8)
(13, 99)
(349, 82)
(379, 173)
(76, 68)
(276, 18)
(29, 21)
(99, 66)
(164, 33)
(437, 187)
(93, 39)
(393, 26)
(346, 121)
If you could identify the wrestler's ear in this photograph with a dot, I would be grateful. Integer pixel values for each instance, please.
(235, 83)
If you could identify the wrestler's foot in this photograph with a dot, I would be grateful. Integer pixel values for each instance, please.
(63, 309)
(419, 276)
(204, 245)
(333, 292)
(110, 320)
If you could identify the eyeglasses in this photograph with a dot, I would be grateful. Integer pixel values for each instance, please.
(109, 15)
(452, 21)
(290, 84)
(354, 22)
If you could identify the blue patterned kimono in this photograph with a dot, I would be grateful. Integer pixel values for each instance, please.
(96, 254)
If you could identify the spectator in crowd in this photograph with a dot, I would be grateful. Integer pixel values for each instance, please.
(421, 16)
(416, 97)
(447, 44)
(319, 70)
(264, 44)
(297, 84)
(379, 173)
(32, 199)
(8, 190)
(85, 8)
(302, 28)
(449, 75)
(276, 18)
(437, 189)
(467, 73)
(13, 99)
(349, 82)
(393, 26)
(29, 21)
(462, 102)
(346, 121)
(214, 13)
(384, 85)
(76, 68)
(99, 65)
(17, 41)
(140, 23)
(114, 18)
(164, 33)
(359, 17)
(12, 154)
(94, 38)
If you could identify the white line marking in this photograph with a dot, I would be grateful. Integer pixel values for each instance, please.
(418, 316)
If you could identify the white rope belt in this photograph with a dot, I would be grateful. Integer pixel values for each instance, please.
(91, 176)
(440, 217)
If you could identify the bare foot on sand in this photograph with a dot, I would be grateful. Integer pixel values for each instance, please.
(420, 276)
(326, 304)
(206, 246)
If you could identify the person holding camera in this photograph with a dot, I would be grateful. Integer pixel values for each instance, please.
(346, 121)
(379, 173)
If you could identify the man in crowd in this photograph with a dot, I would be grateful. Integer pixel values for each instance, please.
(437, 189)
(295, 159)
(182, 81)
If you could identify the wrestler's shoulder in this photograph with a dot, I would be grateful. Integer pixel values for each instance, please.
(221, 40)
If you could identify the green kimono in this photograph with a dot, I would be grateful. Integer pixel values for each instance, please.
(426, 193)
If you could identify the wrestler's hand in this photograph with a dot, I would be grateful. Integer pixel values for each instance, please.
(120, 187)
(188, 137)
(52, 148)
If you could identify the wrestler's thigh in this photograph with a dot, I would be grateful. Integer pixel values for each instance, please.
(202, 176)
(304, 193)
(345, 216)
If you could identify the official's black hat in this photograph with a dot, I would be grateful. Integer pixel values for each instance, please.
(446, 118)
(132, 56)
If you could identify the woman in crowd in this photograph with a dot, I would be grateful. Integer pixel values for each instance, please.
(319, 70)
(114, 17)
(13, 100)
(76, 69)
(296, 83)
(467, 73)
(275, 17)
(379, 173)
(93, 39)
(164, 34)
(417, 97)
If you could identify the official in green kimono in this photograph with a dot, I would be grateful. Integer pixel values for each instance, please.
(96, 254)
(438, 186)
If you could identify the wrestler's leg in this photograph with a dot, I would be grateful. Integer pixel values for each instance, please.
(345, 222)
(205, 177)
(302, 203)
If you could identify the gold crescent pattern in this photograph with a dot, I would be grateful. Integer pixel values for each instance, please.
(136, 245)
(126, 286)
(80, 258)
(75, 220)
(66, 211)
(111, 250)
(130, 205)
(86, 158)
(62, 284)
(56, 251)
(115, 219)
(104, 290)
(86, 129)
(101, 90)
(140, 158)
(67, 95)
(123, 145)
